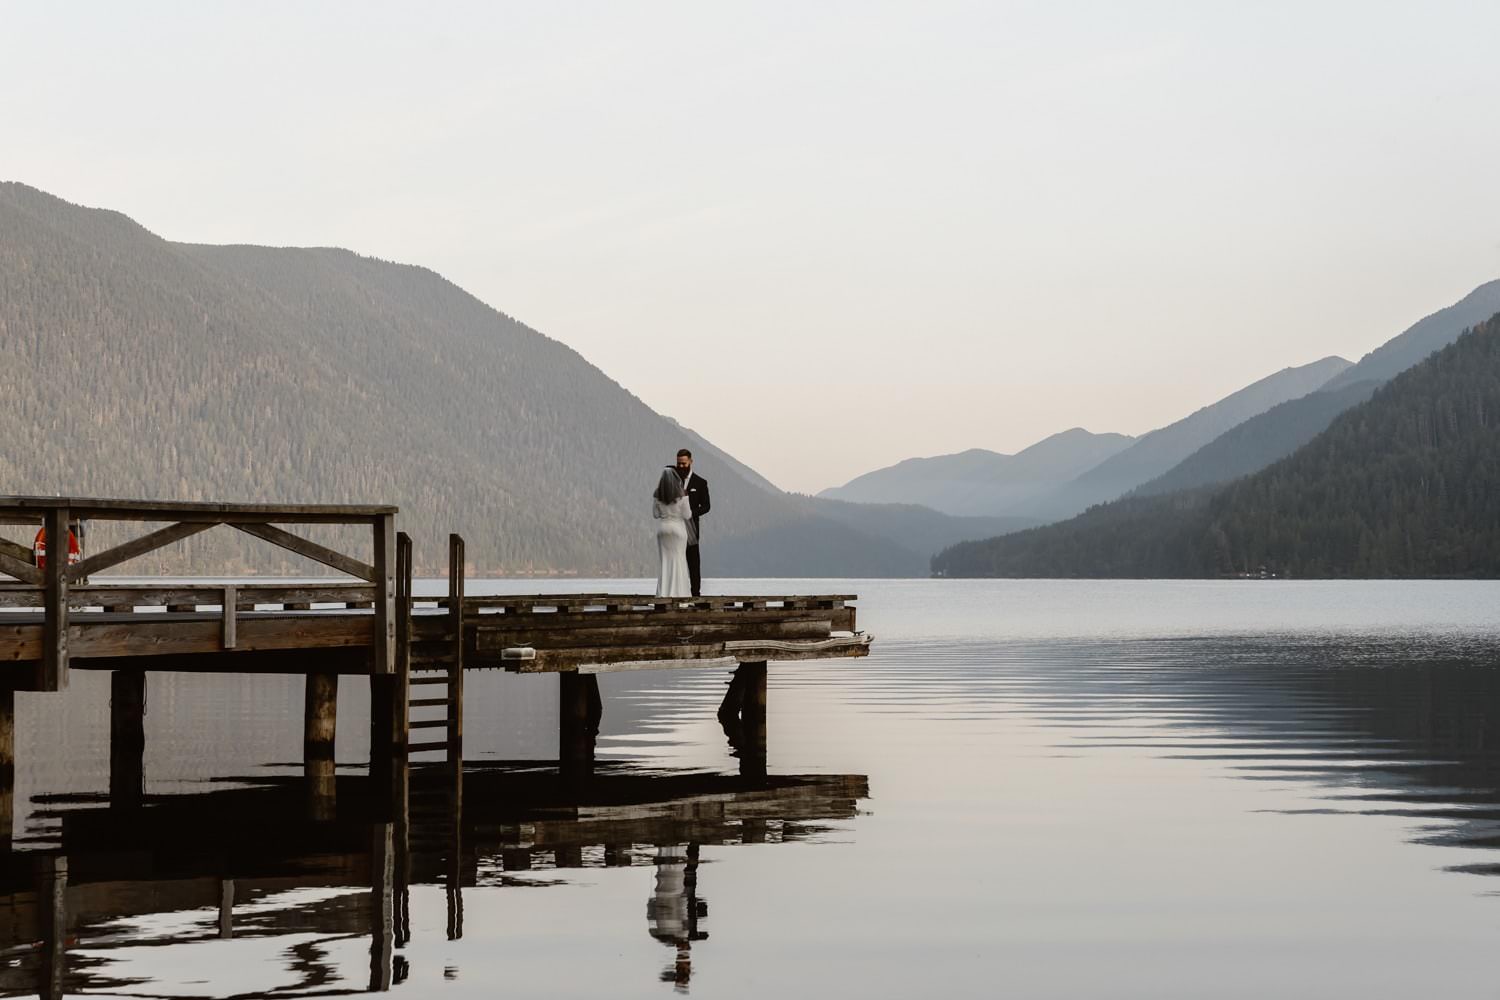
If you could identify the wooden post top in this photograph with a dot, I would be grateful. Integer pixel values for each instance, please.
(30, 510)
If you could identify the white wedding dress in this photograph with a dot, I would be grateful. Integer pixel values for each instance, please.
(672, 540)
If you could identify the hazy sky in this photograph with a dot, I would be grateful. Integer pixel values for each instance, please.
(828, 236)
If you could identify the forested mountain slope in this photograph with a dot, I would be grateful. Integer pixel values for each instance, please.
(1406, 484)
(139, 367)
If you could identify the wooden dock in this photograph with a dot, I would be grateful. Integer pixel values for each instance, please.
(414, 649)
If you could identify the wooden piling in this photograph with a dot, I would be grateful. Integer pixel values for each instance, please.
(753, 720)
(320, 724)
(577, 723)
(320, 716)
(7, 766)
(127, 737)
(7, 734)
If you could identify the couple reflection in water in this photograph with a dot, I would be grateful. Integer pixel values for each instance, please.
(673, 912)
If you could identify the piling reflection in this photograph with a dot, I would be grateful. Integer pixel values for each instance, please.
(252, 863)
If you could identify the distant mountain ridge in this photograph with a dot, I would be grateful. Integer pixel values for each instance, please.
(1422, 338)
(1259, 441)
(140, 367)
(1267, 437)
(980, 482)
(1157, 452)
(1068, 472)
(1406, 483)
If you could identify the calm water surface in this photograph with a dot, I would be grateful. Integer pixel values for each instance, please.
(1034, 789)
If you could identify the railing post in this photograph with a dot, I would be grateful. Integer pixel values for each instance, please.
(385, 595)
(55, 602)
(456, 678)
(390, 705)
(231, 603)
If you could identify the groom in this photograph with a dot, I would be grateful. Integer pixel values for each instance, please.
(696, 488)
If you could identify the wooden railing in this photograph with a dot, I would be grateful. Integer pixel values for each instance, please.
(52, 586)
(198, 597)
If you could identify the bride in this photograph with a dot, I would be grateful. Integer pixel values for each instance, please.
(674, 528)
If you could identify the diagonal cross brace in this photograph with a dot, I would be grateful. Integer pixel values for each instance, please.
(312, 550)
(135, 547)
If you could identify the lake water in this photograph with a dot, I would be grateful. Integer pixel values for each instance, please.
(1029, 788)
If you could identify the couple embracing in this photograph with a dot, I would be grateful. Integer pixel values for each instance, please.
(681, 498)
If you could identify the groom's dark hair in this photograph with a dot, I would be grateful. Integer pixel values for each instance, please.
(683, 452)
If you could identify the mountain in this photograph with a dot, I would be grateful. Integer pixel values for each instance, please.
(921, 529)
(1281, 430)
(1259, 441)
(696, 442)
(1405, 484)
(1429, 334)
(906, 537)
(144, 368)
(980, 482)
(1155, 453)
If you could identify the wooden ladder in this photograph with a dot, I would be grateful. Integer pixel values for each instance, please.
(432, 665)
(435, 672)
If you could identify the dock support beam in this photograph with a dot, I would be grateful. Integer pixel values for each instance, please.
(127, 738)
(7, 766)
(579, 709)
(320, 724)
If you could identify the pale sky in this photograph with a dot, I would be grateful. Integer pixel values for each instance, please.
(828, 236)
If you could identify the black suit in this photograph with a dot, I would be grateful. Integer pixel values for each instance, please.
(697, 492)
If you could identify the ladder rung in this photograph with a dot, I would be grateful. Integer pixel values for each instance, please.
(423, 747)
(426, 723)
(426, 702)
(428, 680)
(420, 661)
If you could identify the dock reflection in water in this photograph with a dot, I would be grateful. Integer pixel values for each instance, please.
(127, 886)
